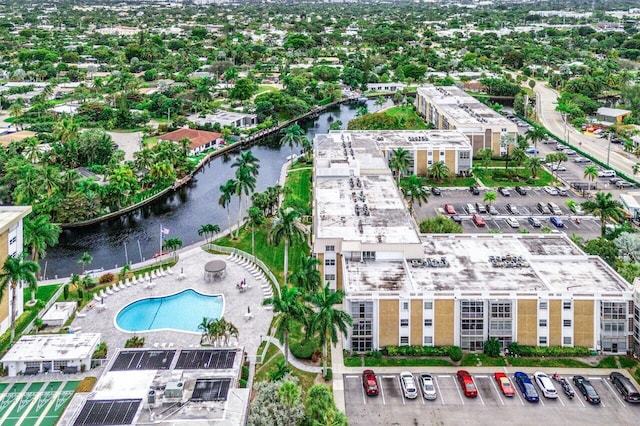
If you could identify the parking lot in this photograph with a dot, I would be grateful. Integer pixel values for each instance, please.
(390, 407)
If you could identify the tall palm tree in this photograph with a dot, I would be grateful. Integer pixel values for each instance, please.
(208, 230)
(245, 184)
(246, 160)
(489, 196)
(15, 271)
(84, 260)
(591, 173)
(400, 161)
(39, 234)
(254, 218)
(289, 395)
(414, 188)
(226, 192)
(519, 156)
(307, 277)
(485, 156)
(292, 137)
(605, 207)
(636, 168)
(535, 135)
(326, 320)
(287, 227)
(287, 308)
(534, 164)
(439, 171)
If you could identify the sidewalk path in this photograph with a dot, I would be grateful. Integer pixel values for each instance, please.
(292, 359)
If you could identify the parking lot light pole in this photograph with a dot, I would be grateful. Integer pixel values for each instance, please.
(608, 148)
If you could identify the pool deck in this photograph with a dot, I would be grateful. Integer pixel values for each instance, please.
(192, 263)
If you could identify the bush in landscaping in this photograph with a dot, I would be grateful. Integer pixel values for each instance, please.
(134, 342)
(455, 353)
(100, 352)
(492, 347)
(86, 385)
(303, 349)
(106, 278)
(548, 351)
(65, 292)
(245, 372)
(416, 350)
(329, 375)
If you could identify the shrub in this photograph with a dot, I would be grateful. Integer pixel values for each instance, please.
(100, 352)
(329, 375)
(416, 350)
(106, 278)
(65, 292)
(243, 383)
(80, 294)
(134, 342)
(455, 353)
(548, 351)
(304, 349)
(245, 372)
(492, 347)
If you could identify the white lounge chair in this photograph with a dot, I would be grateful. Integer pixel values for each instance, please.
(121, 286)
(127, 283)
(169, 271)
(134, 280)
(102, 307)
(115, 287)
(96, 297)
(153, 274)
(109, 291)
(146, 276)
(162, 273)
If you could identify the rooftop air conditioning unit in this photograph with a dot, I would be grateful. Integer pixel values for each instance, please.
(174, 390)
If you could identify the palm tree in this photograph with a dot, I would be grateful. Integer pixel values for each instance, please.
(508, 141)
(287, 227)
(204, 327)
(636, 168)
(400, 161)
(606, 208)
(439, 171)
(326, 320)
(255, 217)
(307, 277)
(288, 308)
(591, 173)
(66, 129)
(246, 160)
(414, 188)
(535, 135)
(519, 155)
(39, 234)
(489, 196)
(172, 244)
(86, 259)
(289, 395)
(15, 271)
(534, 164)
(485, 156)
(226, 192)
(245, 184)
(292, 136)
(208, 231)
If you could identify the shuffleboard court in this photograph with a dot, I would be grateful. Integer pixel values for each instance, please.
(20, 408)
(3, 387)
(59, 404)
(10, 397)
(40, 406)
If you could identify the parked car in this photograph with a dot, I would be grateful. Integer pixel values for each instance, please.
(569, 152)
(480, 208)
(467, 383)
(576, 208)
(545, 384)
(478, 220)
(436, 191)
(428, 389)
(456, 218)
(370, 383)
(511, 208)
(408, 385)
(526, 387)
(474, 190)
(534, 222)
(492, 210)
(520, 190)
(556, 167)
(554, 208)
(615, 180)
(625, 387)
(550, 190)
(623, 184)
(581, 160)
(587, 389)
(471, 209)
(560, 147)
(543, 208)
(532, 150)
(449, 208)
(504, 191)
(512, 222)
(606, 173)
(556, 221)
(504, 384)
(562, 191)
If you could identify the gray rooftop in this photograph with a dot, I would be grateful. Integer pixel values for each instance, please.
(554, 264)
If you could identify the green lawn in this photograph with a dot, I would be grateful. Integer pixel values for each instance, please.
(608, 362)
(44, 293)
(411, 118)
(370, 361)
(473, 360)
(274, 356)
(628, 362)
(548, 362)
(453, 181)
(543, 178)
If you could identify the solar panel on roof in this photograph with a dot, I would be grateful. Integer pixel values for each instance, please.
(211, 359)
(108, 412)
(143, 360)
(211, 390)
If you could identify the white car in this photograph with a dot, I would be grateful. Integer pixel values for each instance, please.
(512, 222)
(408, 385)
(546, 386)
(550, 190)
(556, 168)
(428, 389)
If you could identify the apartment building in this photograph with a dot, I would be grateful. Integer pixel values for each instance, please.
(11, 244)
(404, 288)
(450, 108)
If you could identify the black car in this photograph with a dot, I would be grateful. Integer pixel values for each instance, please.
(587, 389)
(456, 218)
(474, 190)
(436, 191)
(520, 190)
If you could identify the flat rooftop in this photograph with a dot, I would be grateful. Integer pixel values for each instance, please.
(464, 109)
(548, 263)
(9, 215)
(51, 347)
(356, 198)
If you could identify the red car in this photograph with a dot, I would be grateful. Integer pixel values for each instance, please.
(504, 383)
(449, 209)
(370, 383)
(467, 383)
(478, 220)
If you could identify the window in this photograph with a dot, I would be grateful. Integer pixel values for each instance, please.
(500, 309)
(330, 262)
(566, 341)
(566, 323)
(441, 154)
(58, 365)
(427, 340)
(542, 323)
(404, 323)
(405, 306)
(504, 130)
(464, 155)
(613, 310)
(369, 255)
(543, 305)
(428, 323)
(542, 340)
(330, 277)
(13, 240)
(566, 305)
(329, 248)
(404, 340)
(428, 305)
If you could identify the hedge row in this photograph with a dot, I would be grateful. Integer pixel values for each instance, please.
(548, 351)
(416, 350)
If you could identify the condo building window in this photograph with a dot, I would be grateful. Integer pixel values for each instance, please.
(542, 323)
(405, 306)
(567, 341)
(404, 340)
(369, 255)
(329, 248)
(428, 305)
(543, 305)
(428, 323)
(566, 305)
(566, 323)
(542, 340)
(404, 323)
(613, 310)
(330, 277)
(427, 340)
(329, 262)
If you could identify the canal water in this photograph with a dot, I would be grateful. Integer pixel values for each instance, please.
(135, 237)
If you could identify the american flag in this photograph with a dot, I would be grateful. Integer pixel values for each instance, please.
(163, 230)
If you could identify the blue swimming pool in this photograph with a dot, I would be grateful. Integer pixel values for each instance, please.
(181, 312)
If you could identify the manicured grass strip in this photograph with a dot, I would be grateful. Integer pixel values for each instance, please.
(60, 403)
(19, 409)
(406, 362)
(10, 397)
(47, 394)
(548, 362)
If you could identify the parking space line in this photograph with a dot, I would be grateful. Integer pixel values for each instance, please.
(364, 395)
(401, 392)
(497, 390)
(439, 391)
(382, 392)
(578, 394)
(479, 396)
(516, 388)
(540, 398)
(617, 395)
(458, 389)
(560, 399)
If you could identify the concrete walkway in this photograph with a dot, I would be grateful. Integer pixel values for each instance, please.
(300, 365)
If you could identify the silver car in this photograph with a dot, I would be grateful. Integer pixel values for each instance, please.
(408, 385)
(428, 388)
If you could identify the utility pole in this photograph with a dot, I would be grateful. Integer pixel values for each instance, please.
(609, 148)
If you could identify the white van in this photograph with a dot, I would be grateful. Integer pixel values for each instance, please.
(471, 209)
(606, 173)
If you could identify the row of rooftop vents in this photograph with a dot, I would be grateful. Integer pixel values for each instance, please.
(465, 107)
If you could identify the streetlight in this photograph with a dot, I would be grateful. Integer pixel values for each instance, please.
(608, 148)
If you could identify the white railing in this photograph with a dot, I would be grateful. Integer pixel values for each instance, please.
(44, 310)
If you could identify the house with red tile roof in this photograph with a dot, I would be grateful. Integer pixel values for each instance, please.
(200, 139)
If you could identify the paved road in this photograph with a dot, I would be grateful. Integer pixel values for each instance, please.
(554, 122)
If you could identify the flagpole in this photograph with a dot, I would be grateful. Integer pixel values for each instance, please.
(160, 239)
